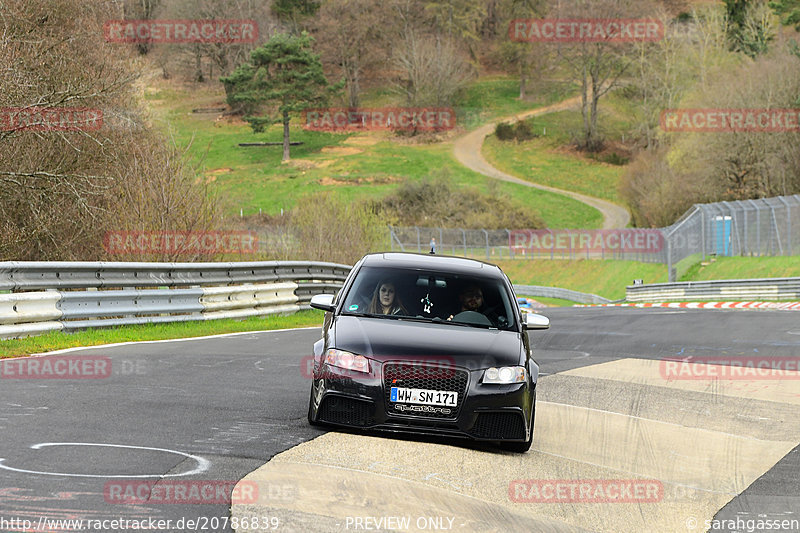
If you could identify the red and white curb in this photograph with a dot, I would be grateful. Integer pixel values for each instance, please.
(783, 306)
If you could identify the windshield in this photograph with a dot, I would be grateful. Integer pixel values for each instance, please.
(431, 296)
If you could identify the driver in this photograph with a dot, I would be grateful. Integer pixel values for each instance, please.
(471, 299)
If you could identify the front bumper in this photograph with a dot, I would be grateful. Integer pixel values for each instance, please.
(484, 412)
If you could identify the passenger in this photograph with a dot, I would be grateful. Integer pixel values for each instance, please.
(386, 301)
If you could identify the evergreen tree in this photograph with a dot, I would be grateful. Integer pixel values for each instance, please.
(293, 12)
(284, 73)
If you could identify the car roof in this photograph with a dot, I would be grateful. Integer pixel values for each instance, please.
(441, 263)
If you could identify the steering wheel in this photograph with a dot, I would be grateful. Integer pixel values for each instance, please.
(472, 317)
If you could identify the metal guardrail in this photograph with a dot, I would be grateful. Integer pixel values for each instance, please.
(32, 275)
(734, 289)
(563, 294)
(73, 296)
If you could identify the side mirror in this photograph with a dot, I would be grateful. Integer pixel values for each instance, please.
(323, 302)
(534, 321)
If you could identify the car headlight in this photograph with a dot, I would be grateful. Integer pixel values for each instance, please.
(347, 360)
(505, 375)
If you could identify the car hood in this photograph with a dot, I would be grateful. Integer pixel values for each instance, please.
(387, 339)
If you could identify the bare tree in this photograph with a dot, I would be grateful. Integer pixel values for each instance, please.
(598, 66)
(201, 62)
(433, 70)
(693, 167)
(350, 36)
(62, 187)
(748, 164)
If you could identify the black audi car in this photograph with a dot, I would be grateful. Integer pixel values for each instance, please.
(426, 344)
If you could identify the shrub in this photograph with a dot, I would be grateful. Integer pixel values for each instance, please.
(504, 131)
(436, 201)
(523, 131)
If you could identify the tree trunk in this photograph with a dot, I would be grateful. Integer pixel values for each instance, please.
(585, 108)
(198, 65)
(286, 155)
(594, 144)
(353, 88)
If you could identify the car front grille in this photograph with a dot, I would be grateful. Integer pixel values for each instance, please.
(349, 411)
(424, 376)
(499, 426)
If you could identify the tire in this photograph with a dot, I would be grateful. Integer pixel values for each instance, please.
(310, 403)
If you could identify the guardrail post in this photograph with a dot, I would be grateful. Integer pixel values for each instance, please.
(788, 225)
(671, 272)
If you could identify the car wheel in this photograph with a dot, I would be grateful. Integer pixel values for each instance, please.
(311, 403)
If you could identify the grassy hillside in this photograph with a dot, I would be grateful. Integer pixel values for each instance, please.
(548, 160)
(744, 267)
(604, 278)
(367, 165)
(609, 278)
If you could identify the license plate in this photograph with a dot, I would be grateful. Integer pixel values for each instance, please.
(424, 396)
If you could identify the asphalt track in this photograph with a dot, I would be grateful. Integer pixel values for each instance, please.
(220, 408)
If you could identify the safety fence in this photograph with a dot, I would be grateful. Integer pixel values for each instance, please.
(50, 296)
(763, 227)
(562, 294)
(717, 290)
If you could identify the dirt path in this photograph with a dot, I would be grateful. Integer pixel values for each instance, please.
(467, 150)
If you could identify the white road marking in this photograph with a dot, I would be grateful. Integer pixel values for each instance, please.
(101, 346)
(202, 464)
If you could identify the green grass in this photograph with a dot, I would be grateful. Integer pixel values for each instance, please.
(58, 340)
(610, 277)
(744, 268)
(494, 97)
(536, 162)
(564, 127)
(605, 278)
(544, 160)
(251, 179)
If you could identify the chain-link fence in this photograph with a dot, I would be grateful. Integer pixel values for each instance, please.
(743, 228)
